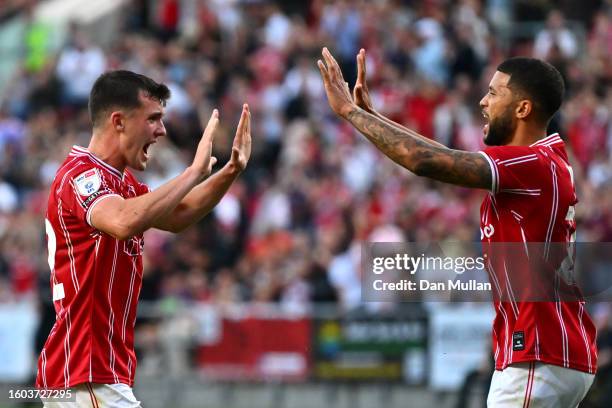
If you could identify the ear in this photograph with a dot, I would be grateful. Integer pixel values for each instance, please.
(117, 121)
(523, 108)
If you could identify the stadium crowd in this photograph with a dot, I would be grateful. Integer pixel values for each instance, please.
(290, 229)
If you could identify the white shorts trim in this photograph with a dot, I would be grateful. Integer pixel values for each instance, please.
(99, 396)
(538, 385)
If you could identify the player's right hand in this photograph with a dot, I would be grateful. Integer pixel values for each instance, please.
(337, 89)
(361, 94)
(241, 148)
(203, 161)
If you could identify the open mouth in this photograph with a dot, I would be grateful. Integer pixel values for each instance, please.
(145, 149)
(485, 128)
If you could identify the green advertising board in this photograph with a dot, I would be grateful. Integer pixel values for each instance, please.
(389, 349)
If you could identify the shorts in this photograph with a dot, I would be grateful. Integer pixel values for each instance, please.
(538, 385)
(99, 396)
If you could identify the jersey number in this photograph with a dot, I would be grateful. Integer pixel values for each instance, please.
(51, 244)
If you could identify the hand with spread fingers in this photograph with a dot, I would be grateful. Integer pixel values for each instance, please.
(337, 89)
(241, 148)
(361, 94)
(203, 161)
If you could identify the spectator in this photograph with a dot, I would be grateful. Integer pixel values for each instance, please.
(556, 35)
(79, 64)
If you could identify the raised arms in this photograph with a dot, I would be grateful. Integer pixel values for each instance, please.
(404, 146)
(361, 96)
(183, 200)
(203, 198)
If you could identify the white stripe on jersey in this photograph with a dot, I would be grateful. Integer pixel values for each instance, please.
(111, 315)
(67, 350)
(516, 215)
(87, 153)
(61, 184)
(559, 310)
(485, 213)
(501, 309)
(524, 241)
(545, 140)
(73, 275)
(523, 191)
(494, 278)
(511, 293)
(129, 298)
(552, 142)
(43, 357)
(537, 345)
(496, 345)
(553, 210)
(494, 208)
(508, 345)
(584, 336)
(518, 158)
(520, 161)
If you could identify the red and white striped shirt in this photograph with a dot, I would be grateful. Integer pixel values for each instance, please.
(532, 201)
(95, 279)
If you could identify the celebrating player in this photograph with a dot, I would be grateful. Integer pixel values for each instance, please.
(96, 216)
(545, 353)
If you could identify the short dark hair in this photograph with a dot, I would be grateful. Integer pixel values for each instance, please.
(537, 81)
(121, 89)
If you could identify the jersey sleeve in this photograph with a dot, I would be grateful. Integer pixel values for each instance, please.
(515, 169)
(85, 188)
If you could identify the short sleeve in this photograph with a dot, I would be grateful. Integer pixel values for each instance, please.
(84, 189)
(515, 169)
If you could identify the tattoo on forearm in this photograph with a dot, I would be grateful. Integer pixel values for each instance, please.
(412, 151)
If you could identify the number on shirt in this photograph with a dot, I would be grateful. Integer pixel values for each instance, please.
(51, 244)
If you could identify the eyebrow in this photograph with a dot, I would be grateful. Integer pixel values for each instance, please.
(155, 115)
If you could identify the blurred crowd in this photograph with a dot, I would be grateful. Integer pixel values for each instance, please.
(291, 228)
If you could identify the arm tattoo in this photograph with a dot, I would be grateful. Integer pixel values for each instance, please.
(413, 151)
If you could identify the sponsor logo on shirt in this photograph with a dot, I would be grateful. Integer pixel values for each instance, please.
(88, 182)
(487, 231)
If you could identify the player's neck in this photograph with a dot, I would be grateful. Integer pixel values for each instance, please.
(527, 134)
(106, 149)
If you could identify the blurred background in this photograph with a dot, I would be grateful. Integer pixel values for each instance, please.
(260, 304)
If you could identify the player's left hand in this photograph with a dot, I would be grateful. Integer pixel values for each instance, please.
(241, 148)
(336, 88)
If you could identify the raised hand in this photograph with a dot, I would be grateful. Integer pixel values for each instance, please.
(361, 94)
(241, 148)
(203, 161)
(336, 88)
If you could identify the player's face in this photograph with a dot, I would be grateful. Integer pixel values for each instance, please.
(498, 109)
(143, 126)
